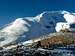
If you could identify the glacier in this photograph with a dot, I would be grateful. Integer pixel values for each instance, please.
(23, 29)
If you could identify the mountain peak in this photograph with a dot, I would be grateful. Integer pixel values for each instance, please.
(23, 29)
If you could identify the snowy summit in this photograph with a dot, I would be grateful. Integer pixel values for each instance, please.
(23, 29)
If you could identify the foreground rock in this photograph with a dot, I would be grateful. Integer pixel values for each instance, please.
(65, 38)
(25, 51)
(55, 44)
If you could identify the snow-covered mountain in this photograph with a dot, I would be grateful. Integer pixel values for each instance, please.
(26, 28)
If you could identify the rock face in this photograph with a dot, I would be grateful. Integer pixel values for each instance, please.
(59, 39)
(66, 38)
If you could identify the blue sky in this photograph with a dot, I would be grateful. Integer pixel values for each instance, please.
(12, 9)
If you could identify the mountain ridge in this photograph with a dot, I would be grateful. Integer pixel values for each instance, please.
(23, 29)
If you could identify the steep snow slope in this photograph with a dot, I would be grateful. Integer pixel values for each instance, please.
(43, 24)
(26, 28)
